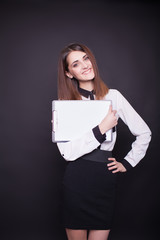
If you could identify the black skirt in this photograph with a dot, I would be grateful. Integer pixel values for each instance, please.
(89, 192)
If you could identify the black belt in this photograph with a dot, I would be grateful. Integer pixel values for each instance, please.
(98, 155)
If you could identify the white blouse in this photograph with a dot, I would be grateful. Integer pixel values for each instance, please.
(85, 144)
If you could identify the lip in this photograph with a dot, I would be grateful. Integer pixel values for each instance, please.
(87, 71)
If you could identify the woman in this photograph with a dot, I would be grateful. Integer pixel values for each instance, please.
(90, 176)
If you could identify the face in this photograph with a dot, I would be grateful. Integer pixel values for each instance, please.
(79, 66)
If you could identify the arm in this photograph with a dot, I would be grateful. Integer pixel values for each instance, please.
(76, 148)
(138, 128)
(91, 140)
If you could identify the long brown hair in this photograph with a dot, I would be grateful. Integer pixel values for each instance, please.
(68, 88)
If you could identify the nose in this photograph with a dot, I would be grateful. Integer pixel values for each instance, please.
(84, 65)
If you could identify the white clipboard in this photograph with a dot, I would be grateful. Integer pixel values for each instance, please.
(73, 118)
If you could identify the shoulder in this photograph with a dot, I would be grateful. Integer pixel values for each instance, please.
(112, 93)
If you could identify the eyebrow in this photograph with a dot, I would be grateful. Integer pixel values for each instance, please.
(78, 60)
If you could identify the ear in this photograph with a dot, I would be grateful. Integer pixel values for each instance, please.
(68, 74)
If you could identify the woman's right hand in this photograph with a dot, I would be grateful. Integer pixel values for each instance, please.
(109, 121)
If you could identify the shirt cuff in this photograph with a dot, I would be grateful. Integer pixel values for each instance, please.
(126, 164)
(98, 135)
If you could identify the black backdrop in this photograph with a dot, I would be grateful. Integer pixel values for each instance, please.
(124, 36)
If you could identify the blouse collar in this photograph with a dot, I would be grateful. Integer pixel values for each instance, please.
(85, 92)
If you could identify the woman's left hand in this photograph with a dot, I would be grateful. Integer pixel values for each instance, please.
(115, 166)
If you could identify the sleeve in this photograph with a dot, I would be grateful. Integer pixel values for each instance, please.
(98, 135)
(126, 164)
(138, 128)
(76, 148)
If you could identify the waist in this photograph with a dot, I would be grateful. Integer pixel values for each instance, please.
(98, 155)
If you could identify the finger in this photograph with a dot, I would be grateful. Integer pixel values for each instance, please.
(116, 123)
(114, 112)
(111, 164)
(111, 159)
(110, 109)
(111, 168)
(115, 171)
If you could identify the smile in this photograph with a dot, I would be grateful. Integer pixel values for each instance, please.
(87, 71)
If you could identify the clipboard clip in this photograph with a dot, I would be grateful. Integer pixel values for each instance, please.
(54, 121)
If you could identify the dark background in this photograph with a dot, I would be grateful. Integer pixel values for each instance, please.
(124, 36)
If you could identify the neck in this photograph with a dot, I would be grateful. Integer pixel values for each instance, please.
(87, 85)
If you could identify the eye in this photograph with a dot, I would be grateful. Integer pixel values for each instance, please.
(86, 58)
(75, 65)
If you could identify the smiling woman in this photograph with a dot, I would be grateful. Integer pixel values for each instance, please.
(90, 177)
(80, 67)
(77, 61)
